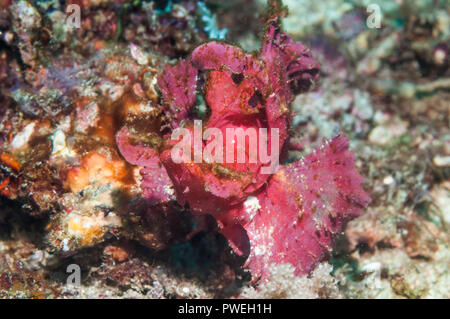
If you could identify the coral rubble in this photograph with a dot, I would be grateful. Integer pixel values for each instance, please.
(89, 106)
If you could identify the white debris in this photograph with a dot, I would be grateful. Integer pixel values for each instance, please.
(441, 161)
(372, 267)
(138, 54)
(65, 244)
(169, 190)
(388, 180)
(23, 137)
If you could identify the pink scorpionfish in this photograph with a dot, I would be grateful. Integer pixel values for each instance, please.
(290, 216)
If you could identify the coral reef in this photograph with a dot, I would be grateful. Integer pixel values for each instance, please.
(87, 175)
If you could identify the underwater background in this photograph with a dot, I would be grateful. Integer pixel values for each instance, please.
(75, 197)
